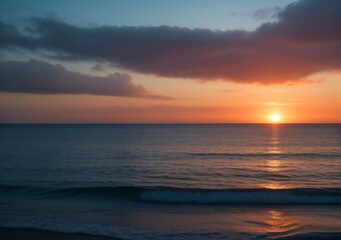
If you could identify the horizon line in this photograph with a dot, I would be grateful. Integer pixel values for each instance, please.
(161, 123)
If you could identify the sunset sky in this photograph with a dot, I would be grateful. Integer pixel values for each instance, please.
(163, 61)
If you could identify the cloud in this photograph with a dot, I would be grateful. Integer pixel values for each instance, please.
(261, 14)
(305, 39)
(53, 15)
(39, 77)
(98, 67)
(266, 12)
(307, 22)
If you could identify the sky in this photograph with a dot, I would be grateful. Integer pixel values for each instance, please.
(193, 61)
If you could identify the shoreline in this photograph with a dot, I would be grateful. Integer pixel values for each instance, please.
(23, 233)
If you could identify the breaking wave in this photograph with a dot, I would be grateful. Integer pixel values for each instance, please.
(299, 196)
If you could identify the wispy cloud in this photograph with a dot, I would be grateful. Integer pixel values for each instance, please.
(265, 13)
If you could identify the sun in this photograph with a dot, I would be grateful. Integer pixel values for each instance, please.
(275, 118)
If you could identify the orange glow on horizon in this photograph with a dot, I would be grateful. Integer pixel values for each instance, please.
(275, 118)
(205, 104)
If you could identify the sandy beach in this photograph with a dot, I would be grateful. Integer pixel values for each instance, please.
(22, 234)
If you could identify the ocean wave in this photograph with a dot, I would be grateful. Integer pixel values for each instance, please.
(259, 196)
(255, 155)
(245, 196)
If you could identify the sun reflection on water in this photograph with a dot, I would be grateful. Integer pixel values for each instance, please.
(274, 164)
(278, 223)
(275, 185)
(274, 142)
(275, 223)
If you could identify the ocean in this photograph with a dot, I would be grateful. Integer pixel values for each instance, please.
(173, 181)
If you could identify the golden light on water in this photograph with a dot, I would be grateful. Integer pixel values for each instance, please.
(279, 223)
(275, 221)
(273, 165)
(275, 185)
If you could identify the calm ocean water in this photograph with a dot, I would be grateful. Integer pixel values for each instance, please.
(173, 181)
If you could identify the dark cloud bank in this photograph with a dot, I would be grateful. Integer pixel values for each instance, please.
(43, 78)
(305, 39)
